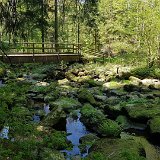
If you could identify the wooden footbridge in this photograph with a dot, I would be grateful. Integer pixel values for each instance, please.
(28, 52)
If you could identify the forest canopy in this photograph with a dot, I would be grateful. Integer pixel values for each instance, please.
(125, 26)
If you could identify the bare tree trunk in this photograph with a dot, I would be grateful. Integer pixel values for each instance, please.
(56, 25)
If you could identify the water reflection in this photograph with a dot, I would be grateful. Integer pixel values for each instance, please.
(1, 83)
(46, 109)
(4, 133)
(76, 129)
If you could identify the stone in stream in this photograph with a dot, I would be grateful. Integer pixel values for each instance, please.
(154, 128)
(56, 116)
(97, 121)
(116, 149)
(85, 95)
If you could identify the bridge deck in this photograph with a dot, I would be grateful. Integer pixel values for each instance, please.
(30, 58)
(27, 52)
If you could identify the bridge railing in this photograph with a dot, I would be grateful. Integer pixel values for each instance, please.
(44, 48)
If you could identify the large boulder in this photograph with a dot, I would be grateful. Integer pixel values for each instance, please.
(50, 154)
(97, 121)
(67, 104)
(142, 111)
(154, 127)
(85, 95)
(56, 116)
(116, 149)
(135, 80)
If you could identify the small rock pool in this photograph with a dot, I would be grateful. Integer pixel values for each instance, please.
(75, 130)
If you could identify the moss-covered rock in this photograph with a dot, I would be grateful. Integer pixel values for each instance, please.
(93, 83)
(2, 72)
(91, 116)
(154, 125)
(56, 140)
(109, 128)
(113, 100)
(112, 85)
(142, 111)
(38, 76)
(50, 154)
(54, 117)
(67, 104)
(116, 149)
(85, 96)
(97, 121)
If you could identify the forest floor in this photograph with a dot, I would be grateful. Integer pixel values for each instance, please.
(89, 111)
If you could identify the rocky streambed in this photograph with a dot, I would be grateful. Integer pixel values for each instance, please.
(78, 112)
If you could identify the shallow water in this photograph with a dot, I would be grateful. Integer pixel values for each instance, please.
(1, 83)
(76, 129)
(4, 132)
(46, 109)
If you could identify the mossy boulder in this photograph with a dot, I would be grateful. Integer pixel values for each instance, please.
(135, 80)
(56, 140)
(2, 72)
(96, 120)
(116, 149)
(112, 85)
(93, 83)
(91, 116)
(38, 76)
(51, 96)
(67, 104)
(56, 116)
(154, 125)
(85, 95)
(113, 100)
(109, 128)
(142, 112)
(89, 139)
(50, 154)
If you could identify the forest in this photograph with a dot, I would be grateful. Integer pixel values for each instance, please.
(79, 80)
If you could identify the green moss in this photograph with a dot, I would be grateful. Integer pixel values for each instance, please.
(154, 125)
(91, 115)
(56, 140)
(86, 96)
(50, 154)
(117, 149)
(109, 128)
(93, 83)
(2, 72)
(123, 121)
(143, 111)
(95, 118)
(96, 156)
(67, 103)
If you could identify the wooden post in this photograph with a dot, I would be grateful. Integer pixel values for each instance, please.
(33, 53)
(73, 48)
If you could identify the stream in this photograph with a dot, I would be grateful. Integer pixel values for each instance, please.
(75, 130)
